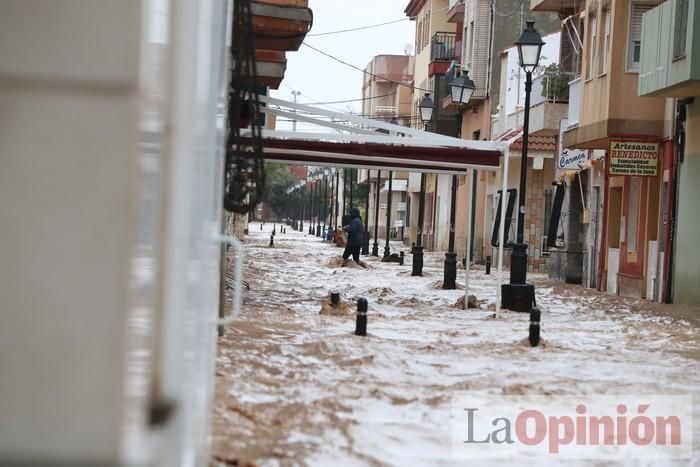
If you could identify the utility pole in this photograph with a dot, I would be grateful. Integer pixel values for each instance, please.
(295, 94)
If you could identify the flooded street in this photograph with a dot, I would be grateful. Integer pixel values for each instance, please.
(296, 387)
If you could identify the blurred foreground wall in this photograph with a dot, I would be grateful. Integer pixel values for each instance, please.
(110, 169)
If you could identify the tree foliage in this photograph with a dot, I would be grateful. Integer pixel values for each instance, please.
(277, 181)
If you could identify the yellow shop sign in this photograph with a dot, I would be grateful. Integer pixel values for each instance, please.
(630, 158)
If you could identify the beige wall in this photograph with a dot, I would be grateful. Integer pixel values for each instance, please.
(612, 95)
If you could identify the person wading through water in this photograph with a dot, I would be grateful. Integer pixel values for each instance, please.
(355, 232)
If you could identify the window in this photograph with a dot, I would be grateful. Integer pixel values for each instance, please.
(592, 46)
(680, 28)
(634, 44)
(633, 217)
(606, 39)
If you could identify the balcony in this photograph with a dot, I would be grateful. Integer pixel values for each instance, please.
(280, 24)
(551, 5)
(442, 47)
(549, 103)
(455, 11)
(670, 58)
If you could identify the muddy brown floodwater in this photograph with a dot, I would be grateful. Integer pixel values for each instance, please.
(296, 387)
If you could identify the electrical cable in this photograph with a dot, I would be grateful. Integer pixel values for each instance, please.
(361, 28)
(399, 83)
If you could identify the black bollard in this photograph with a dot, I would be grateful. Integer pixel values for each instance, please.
(464, 262)
(335, 298)
(417, 265)
(361, 321)
(261, 227)
(488, 265)
(401, 259)
(534, 336)
(272, 240)
(274, 232)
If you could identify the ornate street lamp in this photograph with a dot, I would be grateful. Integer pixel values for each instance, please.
(518, 295)
(462, 89)
(426, 108)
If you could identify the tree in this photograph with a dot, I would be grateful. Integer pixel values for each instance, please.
(278, 180)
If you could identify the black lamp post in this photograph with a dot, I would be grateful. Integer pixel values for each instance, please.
(375, 246)
(518, 295)
(311, 203)
(325, 200)
(387, 250)
(319, 177)
(462, 89)
(426, 108)
(337, 185)
(365, 243)
(303, 206)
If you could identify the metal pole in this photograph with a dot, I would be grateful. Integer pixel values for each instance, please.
(351, 177)
(311, 210)
(345, 198)
(365, 243)
(417, 250)
(518, 295)
(470, 219)
(450, 270)
(337, 185)
(325, 200)
(318, 209)
(387, 250)
(375, 246)
(449, 278)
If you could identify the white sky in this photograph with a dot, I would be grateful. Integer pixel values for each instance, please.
(322, 79)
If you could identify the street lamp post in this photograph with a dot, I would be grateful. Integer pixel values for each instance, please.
(325, 200)
(303, 207)
(365, 243)
(375, 246)
(462, 89)
(337, 185)
(518, 295)
(426, 108)
(311, 206)
(319, 176)
(387, 250)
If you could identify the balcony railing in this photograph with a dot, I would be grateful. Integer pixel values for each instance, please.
(670, 57)
(442, 47)
(574, 101)
(550, 87)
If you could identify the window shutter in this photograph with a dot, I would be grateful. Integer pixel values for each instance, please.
(635, 36)
(680, 28)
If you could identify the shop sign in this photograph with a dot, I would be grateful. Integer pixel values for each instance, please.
(630, 158)
(571, 159)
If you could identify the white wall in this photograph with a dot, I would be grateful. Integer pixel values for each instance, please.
(104, 186)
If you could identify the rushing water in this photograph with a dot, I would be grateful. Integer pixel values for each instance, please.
(296, 387)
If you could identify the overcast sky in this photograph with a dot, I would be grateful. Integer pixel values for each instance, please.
(322, 79)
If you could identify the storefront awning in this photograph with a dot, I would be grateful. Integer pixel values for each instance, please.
(360, 142)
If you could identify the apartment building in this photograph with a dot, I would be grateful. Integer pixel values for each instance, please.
(669, 67)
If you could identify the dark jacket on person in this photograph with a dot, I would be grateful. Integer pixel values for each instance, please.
(355, 230)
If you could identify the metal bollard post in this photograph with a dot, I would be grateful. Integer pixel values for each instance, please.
(261, 227)
(361, 320)
(534, 336)
(335, 298)
(272, 240)
(417, 264)
(488, 265)
(401, 259)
